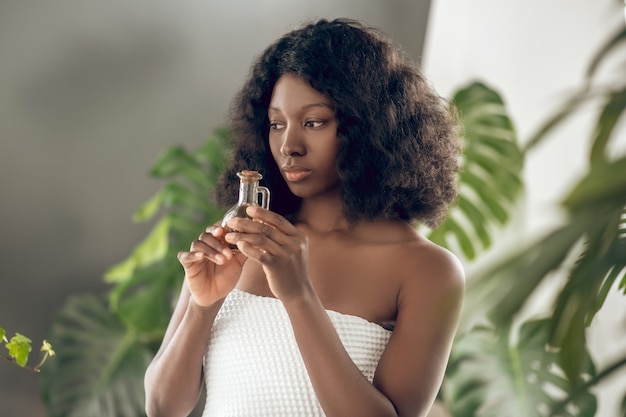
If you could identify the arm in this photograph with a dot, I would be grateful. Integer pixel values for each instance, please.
(411, 369)
(339, 385)
(412, 366)
(173, 380)
(429, 305)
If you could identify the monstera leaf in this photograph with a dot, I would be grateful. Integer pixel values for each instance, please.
(191, 175)
(589, 247)
(490, 375)
(103, 349)
(99, 369)
(490, 180)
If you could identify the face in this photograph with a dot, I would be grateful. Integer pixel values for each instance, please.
(303, 137)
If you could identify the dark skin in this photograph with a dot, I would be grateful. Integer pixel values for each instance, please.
(383, 271)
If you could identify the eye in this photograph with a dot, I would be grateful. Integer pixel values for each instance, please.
(314, 123)
(275, 125)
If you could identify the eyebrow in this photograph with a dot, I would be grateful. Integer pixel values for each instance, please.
(307, 106)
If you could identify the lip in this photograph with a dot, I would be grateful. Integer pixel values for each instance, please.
(294, 173)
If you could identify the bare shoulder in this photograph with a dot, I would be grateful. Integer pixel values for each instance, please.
(427, 269)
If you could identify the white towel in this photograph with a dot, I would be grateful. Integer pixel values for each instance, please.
(253, 366)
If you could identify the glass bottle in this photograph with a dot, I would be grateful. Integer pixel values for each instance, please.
(249, 192)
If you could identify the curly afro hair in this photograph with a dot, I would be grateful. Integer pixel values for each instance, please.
(398, 149)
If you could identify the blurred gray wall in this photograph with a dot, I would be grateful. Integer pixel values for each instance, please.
(90, 93)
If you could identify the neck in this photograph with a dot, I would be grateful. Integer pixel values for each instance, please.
(324, 214)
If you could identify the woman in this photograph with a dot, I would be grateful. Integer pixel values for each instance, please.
(335, 305)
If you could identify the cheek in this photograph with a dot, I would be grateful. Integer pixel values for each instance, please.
(330, 152)
(274, 149)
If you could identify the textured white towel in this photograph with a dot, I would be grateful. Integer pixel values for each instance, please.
(253, 366)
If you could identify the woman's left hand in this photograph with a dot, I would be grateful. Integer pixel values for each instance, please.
(281, 249)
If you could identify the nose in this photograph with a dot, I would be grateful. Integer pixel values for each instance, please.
(293, 143)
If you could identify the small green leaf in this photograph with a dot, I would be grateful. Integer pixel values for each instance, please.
(46, 347)
(3, 335)
(19, 348)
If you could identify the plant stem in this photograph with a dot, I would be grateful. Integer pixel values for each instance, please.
(41, 362)
(30, 368)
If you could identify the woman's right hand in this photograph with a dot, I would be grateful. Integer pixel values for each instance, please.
(211, 268)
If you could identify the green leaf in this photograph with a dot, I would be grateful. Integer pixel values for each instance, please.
(3, 335)
(465, 243)
(498, 373)
(504, 287)
(484, 195)
(613, 275)
(149, 208)
(604, 185)
(19, 348)
(186, 209)
(145, 301)
(567, 110)
(102, 356)
(176, 161)
(153, 248)
(172, 195)
(608, 47)
(609, 117)
(490, 180)
(99, 366)
(591, 247)
(477, 219)
(214, 152)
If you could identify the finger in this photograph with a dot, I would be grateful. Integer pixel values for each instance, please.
(214, 238)
(215, 230)
(258, 240)
(187, 259)
(254, 252)
(211, 250)
(269, 217)
(255, 232)
(245, 225)
(267, 230)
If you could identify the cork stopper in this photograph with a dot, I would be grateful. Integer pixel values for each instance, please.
(248, 176)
